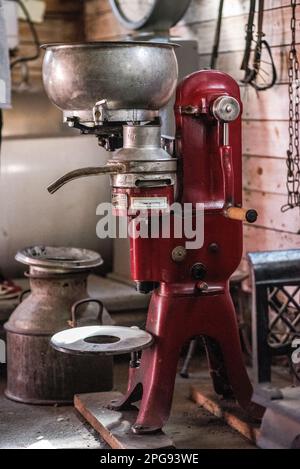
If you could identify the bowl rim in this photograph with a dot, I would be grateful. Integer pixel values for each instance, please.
(104, 44)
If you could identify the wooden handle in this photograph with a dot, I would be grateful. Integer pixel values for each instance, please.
(241, 214)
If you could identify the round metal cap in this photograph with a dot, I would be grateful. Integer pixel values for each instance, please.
(59, 258)
(104, 340)
(226, 108)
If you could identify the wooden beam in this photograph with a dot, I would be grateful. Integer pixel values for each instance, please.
(115, 427)
(227, 410)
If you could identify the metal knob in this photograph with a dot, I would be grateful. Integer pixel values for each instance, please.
(226, 108)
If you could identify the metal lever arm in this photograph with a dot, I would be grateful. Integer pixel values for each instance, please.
(228, 175)
(85, 172)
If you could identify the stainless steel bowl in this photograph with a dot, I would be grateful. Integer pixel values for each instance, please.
(128, 75)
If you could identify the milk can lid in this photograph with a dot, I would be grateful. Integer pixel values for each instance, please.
(62, 258)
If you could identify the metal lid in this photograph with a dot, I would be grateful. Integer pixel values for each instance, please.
(102, 340)
(61, 258)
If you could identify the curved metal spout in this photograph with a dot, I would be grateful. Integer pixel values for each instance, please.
(84, 172)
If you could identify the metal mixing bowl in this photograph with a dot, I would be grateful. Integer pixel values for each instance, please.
(128, 75)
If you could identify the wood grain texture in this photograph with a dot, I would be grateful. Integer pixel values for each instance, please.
(54, 29)
(64, 6)
(96, 7)
(267, 138)
(257, 238)
(232, 38)
(264, 174)
(266, 105)
(63, 22)
(103, 27)
(227, 410)
(204, 10)
(230, 62)
(268, 207)
(115, 427)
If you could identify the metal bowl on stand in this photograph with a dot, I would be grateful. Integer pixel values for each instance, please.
(140, 76)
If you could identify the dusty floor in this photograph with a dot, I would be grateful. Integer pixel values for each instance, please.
(24, 426)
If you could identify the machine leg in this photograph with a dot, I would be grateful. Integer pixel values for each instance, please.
(217, 368)
(158, 386)
(227, 335)
(133, 394)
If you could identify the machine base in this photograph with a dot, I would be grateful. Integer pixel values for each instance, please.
(115, 426)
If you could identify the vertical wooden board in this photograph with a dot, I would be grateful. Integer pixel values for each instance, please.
(264, 174)
(267, 138)
(268, 207)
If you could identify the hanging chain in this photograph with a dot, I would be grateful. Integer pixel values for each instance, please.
(293, 153)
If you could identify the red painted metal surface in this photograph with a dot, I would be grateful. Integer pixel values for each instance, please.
(209, 173)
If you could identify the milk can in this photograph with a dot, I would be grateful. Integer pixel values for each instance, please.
(58, 300)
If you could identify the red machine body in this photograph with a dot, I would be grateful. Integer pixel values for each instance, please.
(191, 300)
(200, 180)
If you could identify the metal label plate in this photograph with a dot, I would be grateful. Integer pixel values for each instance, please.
(149, 203)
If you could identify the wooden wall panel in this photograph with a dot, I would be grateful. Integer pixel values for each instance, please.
(268, 206)
(57, 29)
(266, 105)
(268, 239)
(107, 28)
(267, 138)
(203, 10)
(100, 22)
(264, 174)
(96, 7)
(276, 28)
(230, 62)
(63, 22)
(56, 7)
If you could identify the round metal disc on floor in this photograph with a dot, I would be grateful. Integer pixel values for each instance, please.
(104, 340)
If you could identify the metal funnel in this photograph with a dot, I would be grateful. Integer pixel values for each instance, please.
(125, 75)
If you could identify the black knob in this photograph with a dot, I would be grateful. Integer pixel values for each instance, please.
(214, 247)
(251, 215)
(199, 271)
